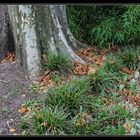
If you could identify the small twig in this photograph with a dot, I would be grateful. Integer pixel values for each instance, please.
(3, 81)
(8, 124)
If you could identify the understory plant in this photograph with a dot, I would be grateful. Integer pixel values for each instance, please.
(104, 25)
(57, 62)
(70, 95)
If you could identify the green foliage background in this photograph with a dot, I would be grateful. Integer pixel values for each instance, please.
(100, 25)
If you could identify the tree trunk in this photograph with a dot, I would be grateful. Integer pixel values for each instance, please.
(54, 33)
(41, 29)
(27, 50)
(6, 40)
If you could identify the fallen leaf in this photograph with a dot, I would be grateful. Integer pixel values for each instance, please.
(84, 115)
(81, 122)
(104, 51)
(22, 110)
(126, 70)
(125, 92)
(98, 60)
(91, 70)
(127, 127)
(80, 69)
(9, 57)
(12, 130)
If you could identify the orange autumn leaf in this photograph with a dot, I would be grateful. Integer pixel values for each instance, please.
(99, 60)
(126, 70)
(45, 79)
(22, 110)
(9, 57)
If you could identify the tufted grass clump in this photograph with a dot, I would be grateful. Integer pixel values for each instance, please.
(129, 57)
(103, 80)
(113, 63)
(49, 121)
(69, 96)
(57, 62)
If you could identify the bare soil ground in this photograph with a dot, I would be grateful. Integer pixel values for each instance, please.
(13, 85)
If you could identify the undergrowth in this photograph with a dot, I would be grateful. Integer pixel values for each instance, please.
(57, 62)
(93, 104)
(104, 25)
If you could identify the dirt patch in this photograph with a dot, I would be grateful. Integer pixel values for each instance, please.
(13, 84)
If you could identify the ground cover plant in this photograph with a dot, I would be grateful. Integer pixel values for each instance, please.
(101, 97)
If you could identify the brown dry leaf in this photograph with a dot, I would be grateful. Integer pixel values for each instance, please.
(125, 92)
(104, 51)
(46, 80)
(127, 127)
(89, 59)
(78, 123)
(12, 130)
(137, 97)
(80, 69)
(91, 70)
(81, 122)
(9, 57)
(50, 83)
(126, 70)
(98, 60)
(84, 115)
(22, 110)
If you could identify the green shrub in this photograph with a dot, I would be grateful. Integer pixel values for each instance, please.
(100, 25)
(70, 95)
(57, 62)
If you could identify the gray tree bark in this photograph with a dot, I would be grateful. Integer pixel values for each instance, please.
(54, 33)
(26, 42)
(6, 37)
(41, 29)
